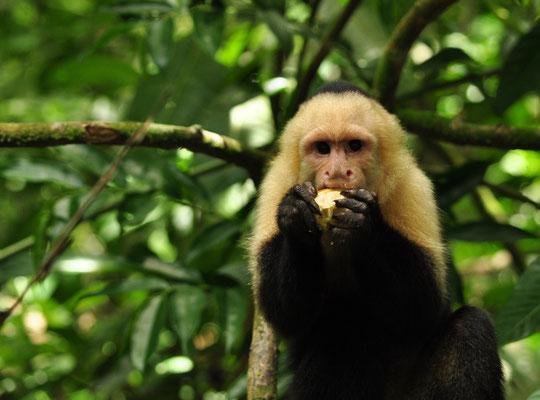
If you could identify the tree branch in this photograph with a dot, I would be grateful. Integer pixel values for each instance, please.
(395, 54)
(300, 94)
(429, 124)
(263, 354)
(116, 133)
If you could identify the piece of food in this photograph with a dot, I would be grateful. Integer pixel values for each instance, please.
(325, 199)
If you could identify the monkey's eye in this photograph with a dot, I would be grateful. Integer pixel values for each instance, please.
(322, 148)
(355, 145)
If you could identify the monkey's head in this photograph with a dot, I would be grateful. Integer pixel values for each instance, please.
(342, 137)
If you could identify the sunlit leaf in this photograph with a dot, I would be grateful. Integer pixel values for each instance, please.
(146, 329)
(187, 304)
(488, 232)
(520, 317)
(519, 74)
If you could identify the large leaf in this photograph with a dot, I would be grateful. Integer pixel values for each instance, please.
(16, 265)
(172, 271)
(520, 317)
(160, 41)
(453, 185)
(233, 305)
(187, 303)
(487, 232)
(41, 171)
(212, 237)
(519, 74)
(144, 337)
(147, 284)
(200, 90)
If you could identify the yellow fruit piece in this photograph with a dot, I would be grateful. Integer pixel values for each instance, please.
(325, 199)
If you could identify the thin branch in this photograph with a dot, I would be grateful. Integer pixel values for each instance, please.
(159, 135)
(63, 240)
(472, 77)
(301, 92)
(513, 194)
(314, 8)
(431, 125)
(395, 54)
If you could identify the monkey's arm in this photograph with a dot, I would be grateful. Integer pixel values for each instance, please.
(290, 266)
(394, 272)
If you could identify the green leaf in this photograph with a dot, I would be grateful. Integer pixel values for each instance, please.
(160, 41)
(453, 185)
(172, 271)
(187, 304)
(135, 208)
(519, 73)
(41, 236)
(16, 265)
(535, 395)
(279, 27)
(144, 337)
(90, 159)
(147, 284)
(41, 171)
(211, 237)
(488, 232)
(520, 317)
(233, 305)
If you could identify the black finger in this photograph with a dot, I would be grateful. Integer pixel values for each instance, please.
(306, 192)
(353, 205)
(360, 195)
(309, 220)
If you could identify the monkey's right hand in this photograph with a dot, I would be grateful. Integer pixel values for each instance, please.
(295, 214)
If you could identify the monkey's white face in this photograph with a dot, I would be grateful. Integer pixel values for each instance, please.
(339, 156)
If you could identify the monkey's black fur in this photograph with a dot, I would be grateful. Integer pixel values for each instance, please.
(339, 87)
(372, 324)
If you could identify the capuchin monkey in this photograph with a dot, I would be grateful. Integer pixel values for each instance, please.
(362, 304)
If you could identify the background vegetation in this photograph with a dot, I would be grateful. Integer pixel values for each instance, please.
(151, 298)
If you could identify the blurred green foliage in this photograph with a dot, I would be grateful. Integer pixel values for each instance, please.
(152, 297)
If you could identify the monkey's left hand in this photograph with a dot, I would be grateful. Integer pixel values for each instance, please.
(365, 215)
